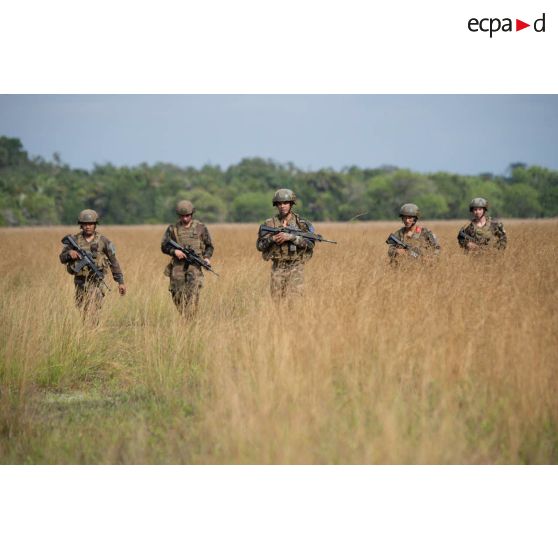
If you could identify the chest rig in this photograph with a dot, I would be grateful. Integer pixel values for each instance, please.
(190, 236)
(97, 248)
(287, 251)
(416, 240)
(482, 234)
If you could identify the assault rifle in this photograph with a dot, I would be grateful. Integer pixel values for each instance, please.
(191, 256)
(86, 259)
(468, 238)
(310, 236)
(394, 241)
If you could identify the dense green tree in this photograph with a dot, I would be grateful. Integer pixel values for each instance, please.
(11, 152)
(522, 200)
(544, 181)
(36, 191)
(380, 198)
(452, 188)
(251, 206)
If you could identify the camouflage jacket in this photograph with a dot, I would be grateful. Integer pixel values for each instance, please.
(104, 255)
(299, 249)
(492, 235)
(196, 236)
(422, 240)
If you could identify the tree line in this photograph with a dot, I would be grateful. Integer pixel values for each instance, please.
(34, 191)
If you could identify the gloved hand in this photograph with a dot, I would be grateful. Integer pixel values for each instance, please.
(281, 237)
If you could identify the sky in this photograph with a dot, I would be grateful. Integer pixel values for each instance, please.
(465, 134)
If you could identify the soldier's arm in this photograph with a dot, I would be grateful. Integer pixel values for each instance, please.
(301, 242)
(116, 270)
(65, 255)
(264, 243)
(501, 237)
(208, 244)
(461, 241)
(305, 243)
(68, 253)
(392, 251)
(433, 243)
(166, 237)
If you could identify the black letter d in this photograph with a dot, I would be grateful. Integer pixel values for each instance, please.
(535, 25)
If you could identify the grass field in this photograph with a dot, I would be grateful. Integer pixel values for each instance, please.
(450, 363)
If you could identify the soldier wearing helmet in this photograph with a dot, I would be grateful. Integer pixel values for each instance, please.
(186, 279)
(287, 252)
(482, 232)
(88, 287)
(419, 240)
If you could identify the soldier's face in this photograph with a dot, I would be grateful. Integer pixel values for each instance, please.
(284, 208)
(186, 219)
(478, 212)
(88, 228)
(408, 221)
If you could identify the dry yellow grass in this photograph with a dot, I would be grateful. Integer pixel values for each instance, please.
(452, 363)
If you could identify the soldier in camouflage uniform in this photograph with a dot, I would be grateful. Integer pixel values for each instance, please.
(89, 294)
(482, 233)
(186, 280)
(420, 239)
(288, 252)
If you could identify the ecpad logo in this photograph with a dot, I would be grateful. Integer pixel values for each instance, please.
(493, 25)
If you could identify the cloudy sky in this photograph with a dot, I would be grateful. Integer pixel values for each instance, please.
(467, 134)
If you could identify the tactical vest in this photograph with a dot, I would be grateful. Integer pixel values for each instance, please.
(485, 234)
(97, 247)
(190, 236)
(416, 240)
(288, 251)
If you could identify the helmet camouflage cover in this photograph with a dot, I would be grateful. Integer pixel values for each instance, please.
(409, 210)
(184, 207)
(284, 195)
(478, 202)
(88, 216)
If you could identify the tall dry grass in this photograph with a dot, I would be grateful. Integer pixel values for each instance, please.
(450, 363)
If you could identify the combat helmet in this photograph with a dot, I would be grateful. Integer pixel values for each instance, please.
(185, 207)
(478, 202)
(88, 216)
(284, 195)
(409, 210)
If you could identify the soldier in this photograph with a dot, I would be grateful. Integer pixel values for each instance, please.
(482, 233)
(186, 279)
(414, 241)
(288, 252)
(89, 291)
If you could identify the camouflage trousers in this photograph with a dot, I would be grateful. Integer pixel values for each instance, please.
(185, 288)
(89, 300)
(287, 278)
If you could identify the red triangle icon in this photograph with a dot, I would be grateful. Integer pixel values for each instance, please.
(519, 25)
